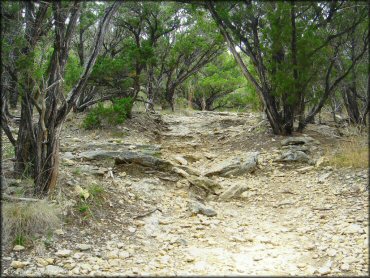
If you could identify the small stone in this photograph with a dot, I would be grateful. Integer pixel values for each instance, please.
(323, 177)
(59, 232)
(237, 238)
(78, 255)
(257, 258)
(310, 247)
(124, 254)
(18, 264)
(301, 265)
(324, 270)
(42, 262)
(198, 208)
(189, 259)
(68, 162)
(120, 245)
(69, 266)
(18, 248)
(53, 270)
(86, 266)
(263, 239)
(112, 254)
(345, 267)
(131, 229)
(181, 160)
(353, 229)
(83, 247)
(50, 260)
(63, 253)
(331, 252)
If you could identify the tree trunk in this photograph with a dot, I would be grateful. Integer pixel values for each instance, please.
(24, 149)
(350, 102)
(350, 92)
(263, 89)
(204, 103)
(38, 145)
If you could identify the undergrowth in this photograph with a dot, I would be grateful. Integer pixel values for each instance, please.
(90, 198)
(115, 113)
(351, 153)
(24, 222)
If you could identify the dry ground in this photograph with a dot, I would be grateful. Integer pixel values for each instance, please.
(295, 219)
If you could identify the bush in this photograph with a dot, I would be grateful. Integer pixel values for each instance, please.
(116, 113)
(241, 98)
(22, 222)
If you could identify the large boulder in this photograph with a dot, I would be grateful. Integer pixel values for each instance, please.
(234, 165)
(127, 157)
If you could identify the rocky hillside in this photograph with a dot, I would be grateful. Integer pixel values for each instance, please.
(201, 193)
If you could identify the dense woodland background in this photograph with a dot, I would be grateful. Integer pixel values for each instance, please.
(287, 59)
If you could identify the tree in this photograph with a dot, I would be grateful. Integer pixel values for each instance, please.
(284, 49)
(216, 80)
(37, 145)
(189, 51)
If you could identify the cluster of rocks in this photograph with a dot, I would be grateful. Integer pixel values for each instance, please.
(298, 149)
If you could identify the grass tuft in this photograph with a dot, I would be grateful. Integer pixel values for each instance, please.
(23, 222)
(352, 153)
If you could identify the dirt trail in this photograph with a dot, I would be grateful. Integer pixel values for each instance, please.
(295, 219)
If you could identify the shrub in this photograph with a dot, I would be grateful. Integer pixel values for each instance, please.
(122, 108)
(22, 222)
(241, 98)
(116, 113)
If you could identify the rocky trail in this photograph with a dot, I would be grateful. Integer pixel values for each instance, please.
(206, 194)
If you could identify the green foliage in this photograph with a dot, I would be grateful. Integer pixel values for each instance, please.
(241, 98)
(83, 208)
(77, 171)
(216, 80)
(96, 190)
(73, 72)
(89, 199)
(115, 113)
(8, 151)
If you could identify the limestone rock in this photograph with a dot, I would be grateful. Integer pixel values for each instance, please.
(18, 248)
(18, 264)
(345, 267)
(53, 270)
(198, 208)
(323, 177)
(125, 157)
(59, 232)
(180, 159)
(68, 162)
(63, 253)
(234, 165)
(189, 170)
(353, 229)
(233, 191)
(83, 247)
(298, 140)
(181, 172)
(205, 183)
(290, 155)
